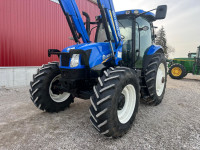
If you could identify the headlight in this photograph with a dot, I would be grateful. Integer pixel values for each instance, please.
(74, 60)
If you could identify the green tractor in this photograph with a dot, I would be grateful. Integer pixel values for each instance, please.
(180, 67)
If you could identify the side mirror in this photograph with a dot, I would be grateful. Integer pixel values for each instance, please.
(161, 12)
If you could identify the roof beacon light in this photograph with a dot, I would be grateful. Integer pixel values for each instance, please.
(136, 12)
(128, 12)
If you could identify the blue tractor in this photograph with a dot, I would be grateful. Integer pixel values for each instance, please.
(121, 68)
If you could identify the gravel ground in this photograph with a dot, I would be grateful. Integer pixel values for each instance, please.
(175, 124)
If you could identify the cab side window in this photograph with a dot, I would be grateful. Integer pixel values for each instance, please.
(145, 38)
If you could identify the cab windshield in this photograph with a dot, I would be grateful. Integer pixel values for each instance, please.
(192, 55)
(125, 26)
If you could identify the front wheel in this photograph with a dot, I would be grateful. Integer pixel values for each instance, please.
(45, 92)
(115, 102)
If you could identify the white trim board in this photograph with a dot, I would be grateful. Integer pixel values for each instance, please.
(16, 76)
(56, 1)
(93, 1)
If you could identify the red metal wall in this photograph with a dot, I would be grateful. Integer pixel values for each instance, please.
(28, 28)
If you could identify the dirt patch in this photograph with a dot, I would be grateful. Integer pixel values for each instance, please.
(175, 124)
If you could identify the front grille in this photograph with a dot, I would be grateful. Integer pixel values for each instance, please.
(75, 73)
(65, 59)
(85, 55)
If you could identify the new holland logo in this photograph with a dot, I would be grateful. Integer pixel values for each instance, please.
(106, 57)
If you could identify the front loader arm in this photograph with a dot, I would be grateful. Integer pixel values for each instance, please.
(111, 17)
(73, 16)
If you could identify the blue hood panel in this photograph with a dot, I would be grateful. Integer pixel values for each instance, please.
(100, 52)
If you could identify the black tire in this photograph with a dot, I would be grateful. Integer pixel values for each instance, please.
(39, 90)
(151, 77)
(105, 101)
(185, 75)
(182, 75)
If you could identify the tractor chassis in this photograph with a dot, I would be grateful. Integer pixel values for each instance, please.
(80, 82)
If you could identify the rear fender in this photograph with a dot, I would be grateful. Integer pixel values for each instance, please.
(149, 54)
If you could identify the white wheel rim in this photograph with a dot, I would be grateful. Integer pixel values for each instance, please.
(125, 114)
(58, 98)
(160, 79)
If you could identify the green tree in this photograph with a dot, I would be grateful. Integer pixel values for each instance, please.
(162, 40)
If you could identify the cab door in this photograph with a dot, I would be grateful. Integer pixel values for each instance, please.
(143, 40)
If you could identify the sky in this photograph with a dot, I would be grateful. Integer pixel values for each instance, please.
(182, 24)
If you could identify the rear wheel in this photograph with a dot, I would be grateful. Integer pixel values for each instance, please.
(177, 71)
(45, 92)
(156, 78)
(115, 102)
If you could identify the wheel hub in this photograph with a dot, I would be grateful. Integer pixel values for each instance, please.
(126, 104)
(56, 88)
(55, 93)
(121, 102)
(176, 71)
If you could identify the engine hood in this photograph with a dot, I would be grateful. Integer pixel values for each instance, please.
(87, 46)
(99, 52)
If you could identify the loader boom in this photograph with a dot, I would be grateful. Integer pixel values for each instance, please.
(74, 19)
(108, 7)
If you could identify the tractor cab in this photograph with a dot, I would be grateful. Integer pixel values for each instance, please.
(137, 32)
(192, 55)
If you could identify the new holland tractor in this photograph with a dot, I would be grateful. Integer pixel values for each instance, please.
(180, 67)
(121, 67)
